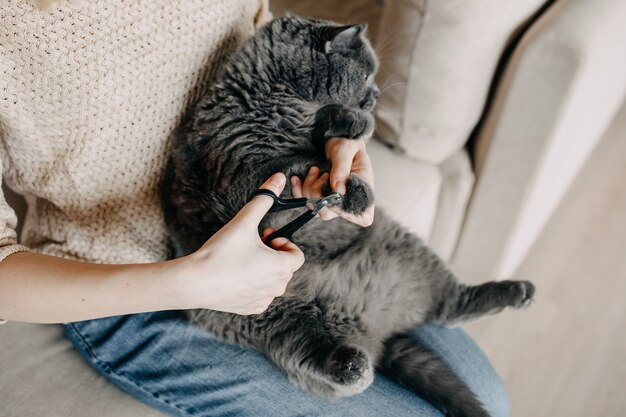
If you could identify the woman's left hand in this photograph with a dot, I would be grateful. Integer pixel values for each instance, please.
(347, 156)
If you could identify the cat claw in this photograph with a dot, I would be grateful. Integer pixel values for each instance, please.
(526, 294)
(529, 294)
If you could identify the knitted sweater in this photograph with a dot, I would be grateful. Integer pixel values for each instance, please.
(90, 92)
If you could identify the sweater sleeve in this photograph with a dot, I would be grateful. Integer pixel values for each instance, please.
(8, 222)
(8, 238)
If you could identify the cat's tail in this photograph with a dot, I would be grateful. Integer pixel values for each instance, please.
(424, 373)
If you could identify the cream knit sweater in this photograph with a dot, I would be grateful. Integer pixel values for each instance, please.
(90, 92)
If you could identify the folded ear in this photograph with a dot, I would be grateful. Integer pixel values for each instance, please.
(345, 38)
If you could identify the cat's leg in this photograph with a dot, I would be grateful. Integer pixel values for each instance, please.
(423, 372)
(446, 301)
(337, 121)
(313, 350)
(463, 303)
(489, 298)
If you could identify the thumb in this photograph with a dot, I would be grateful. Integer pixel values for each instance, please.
(341, 158)
(253, 212)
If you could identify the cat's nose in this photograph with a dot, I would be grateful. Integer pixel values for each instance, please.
(375, 92)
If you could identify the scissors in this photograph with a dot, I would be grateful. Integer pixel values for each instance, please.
(281, 204)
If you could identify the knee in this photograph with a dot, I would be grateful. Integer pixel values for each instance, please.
(468, 361)
(492, 393)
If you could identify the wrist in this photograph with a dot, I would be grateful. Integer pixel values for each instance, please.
(188, 284)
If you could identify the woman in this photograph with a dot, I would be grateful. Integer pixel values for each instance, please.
(90, 94)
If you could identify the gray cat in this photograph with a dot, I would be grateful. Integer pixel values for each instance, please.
(349, 309)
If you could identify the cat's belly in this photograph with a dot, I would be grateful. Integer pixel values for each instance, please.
(383, 297)
(370, 274)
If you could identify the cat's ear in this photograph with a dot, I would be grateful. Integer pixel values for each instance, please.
(344, 38)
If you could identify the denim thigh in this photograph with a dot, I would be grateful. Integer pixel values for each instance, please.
(165, 361)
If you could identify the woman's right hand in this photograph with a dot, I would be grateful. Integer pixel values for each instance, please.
(235, 271)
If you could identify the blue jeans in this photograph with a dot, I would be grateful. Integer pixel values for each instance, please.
(183, 371)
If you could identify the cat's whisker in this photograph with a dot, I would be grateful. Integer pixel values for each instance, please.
(393, 85)
(381, 46)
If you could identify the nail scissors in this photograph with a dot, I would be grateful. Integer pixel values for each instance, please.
(281, 204)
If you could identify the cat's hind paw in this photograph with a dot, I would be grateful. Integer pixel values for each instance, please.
(347, 365)
(350, 371)
(520, 293)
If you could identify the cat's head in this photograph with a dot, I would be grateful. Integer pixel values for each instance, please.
(325, 61)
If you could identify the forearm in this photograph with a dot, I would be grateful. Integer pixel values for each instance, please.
(46, 289)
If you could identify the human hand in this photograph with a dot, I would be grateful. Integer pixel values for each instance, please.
(347, 156)
(235, 271)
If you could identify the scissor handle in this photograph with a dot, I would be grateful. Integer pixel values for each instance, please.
(290, 228)
(281, 204)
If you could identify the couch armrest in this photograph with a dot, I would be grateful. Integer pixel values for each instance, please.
(563, 85)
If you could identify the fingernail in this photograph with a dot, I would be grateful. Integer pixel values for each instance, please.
(294, 182)
(313, 170)
(340, 187)
(278, 179)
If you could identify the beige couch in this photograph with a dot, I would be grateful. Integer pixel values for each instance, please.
(556, 73)
(481, 206)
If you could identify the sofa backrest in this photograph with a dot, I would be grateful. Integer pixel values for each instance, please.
(438, 60)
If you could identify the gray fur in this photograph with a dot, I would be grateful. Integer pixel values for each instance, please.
(351, 306)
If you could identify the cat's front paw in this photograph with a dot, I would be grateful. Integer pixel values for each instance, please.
(359, 196)
(363, 128)
(336, 121)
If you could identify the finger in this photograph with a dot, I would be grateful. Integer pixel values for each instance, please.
(362, 165)
(321, 181)
(253, 212)
(296, 187)
(266, 232)
(310, 178)
(278, 243)
(291, 254)
(326, 214)
(341, 158)
(366, 219)
(318, 186)
(314, 188)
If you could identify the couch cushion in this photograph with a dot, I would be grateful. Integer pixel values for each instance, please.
(406, 189)
(438, 59)
(342, 11)
(42, 375)
(456, 188)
